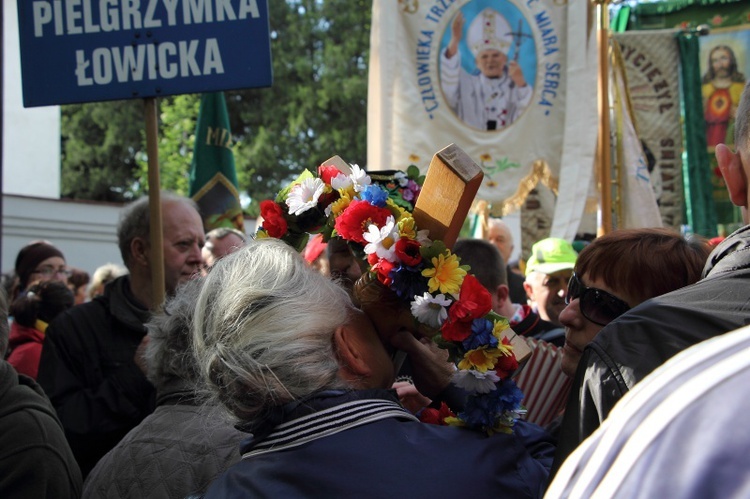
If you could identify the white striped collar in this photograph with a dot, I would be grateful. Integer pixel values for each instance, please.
(328, 422)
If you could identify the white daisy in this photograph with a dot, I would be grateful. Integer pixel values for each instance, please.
(359, 178)
(382, 241)
(430, 310)
(474, 381)
(341, 181)
(304, 195)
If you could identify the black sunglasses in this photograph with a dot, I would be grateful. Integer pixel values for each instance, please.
(596, 305)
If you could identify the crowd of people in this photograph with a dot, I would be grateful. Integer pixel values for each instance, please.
(262, 374)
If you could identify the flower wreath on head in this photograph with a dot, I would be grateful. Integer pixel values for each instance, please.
(375, 218)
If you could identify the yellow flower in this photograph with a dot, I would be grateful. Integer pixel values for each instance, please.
(446, 275)
(261, 234)
(413, 158)
(348, 191)
(398, 212)
(485, 158)
(480, 359)
(407, 227)
(499, 327)
(340, 205)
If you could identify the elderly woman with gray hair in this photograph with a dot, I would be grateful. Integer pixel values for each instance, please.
(289, 356)
(179, 448)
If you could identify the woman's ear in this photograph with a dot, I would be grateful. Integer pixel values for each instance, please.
(734, 175)
(348, 348)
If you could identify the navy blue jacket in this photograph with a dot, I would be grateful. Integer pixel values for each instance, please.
(364, 444)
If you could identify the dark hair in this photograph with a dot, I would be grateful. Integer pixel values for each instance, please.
(485, 261)
(643, 263)
(78, 278)
(43, 301)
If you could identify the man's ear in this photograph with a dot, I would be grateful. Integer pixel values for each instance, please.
(348, 350)
(139, 251)
(529, 291)
(734, 175)
(502, 293)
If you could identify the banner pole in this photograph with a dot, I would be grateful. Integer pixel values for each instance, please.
(154, 201)
(603, 146)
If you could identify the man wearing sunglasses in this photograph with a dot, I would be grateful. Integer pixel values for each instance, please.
(632, 346)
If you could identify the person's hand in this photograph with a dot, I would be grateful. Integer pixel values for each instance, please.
(516, 74)
(410, 397)
(140, 358)
(432, 370)
(457, 27)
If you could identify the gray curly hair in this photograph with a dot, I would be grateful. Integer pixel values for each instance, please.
(169, 354)
(263, 329)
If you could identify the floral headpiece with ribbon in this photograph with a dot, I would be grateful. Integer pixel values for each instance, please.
(375, 218)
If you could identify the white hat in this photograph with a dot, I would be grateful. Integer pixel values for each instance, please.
(489, 30)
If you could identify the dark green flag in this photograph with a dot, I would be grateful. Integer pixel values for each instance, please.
(213, 179)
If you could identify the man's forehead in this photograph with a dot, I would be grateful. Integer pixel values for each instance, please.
(560, 274)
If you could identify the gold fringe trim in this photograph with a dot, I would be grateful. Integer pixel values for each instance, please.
(540, 173)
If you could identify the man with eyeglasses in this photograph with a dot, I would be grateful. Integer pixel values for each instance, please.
(91, 366)
(633, 345)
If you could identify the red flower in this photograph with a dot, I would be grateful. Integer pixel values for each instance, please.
(407, 250)
(435, 416)
(357, 217)
(273, 218)
(506, 365)
(383, 268)
(474, 301)
(328, 173)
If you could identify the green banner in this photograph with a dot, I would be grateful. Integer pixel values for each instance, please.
(700, 208)
(213, 179)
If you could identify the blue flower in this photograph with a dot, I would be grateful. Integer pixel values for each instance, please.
(408, 281)
(375, 195)
(508, 397)
(481, 335)
(479, 411)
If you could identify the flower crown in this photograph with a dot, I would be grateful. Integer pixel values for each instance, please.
(375, 218)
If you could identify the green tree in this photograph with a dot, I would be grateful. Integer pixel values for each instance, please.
(316, 108)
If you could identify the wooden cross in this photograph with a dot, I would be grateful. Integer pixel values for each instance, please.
(450, 186)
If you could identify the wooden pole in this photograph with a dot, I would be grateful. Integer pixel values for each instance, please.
(603, 146)
(154, 201)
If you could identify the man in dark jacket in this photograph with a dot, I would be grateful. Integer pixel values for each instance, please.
(35, 458)
(91, 365)
(638, 342)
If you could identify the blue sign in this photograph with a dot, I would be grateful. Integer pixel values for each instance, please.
(96, 50)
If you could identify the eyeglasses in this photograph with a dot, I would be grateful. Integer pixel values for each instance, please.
(596, 305)
(48, 272)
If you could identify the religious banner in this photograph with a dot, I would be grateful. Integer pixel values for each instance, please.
(725, 66)
(651, 60)
(637, 206)
(487, 75)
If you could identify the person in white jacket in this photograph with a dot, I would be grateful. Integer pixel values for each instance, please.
(496, 97)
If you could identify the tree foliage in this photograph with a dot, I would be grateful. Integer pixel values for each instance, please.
(316, 108)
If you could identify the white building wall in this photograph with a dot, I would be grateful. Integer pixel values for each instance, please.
(31, 136)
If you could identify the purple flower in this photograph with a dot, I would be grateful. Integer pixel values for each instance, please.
(408, 281)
